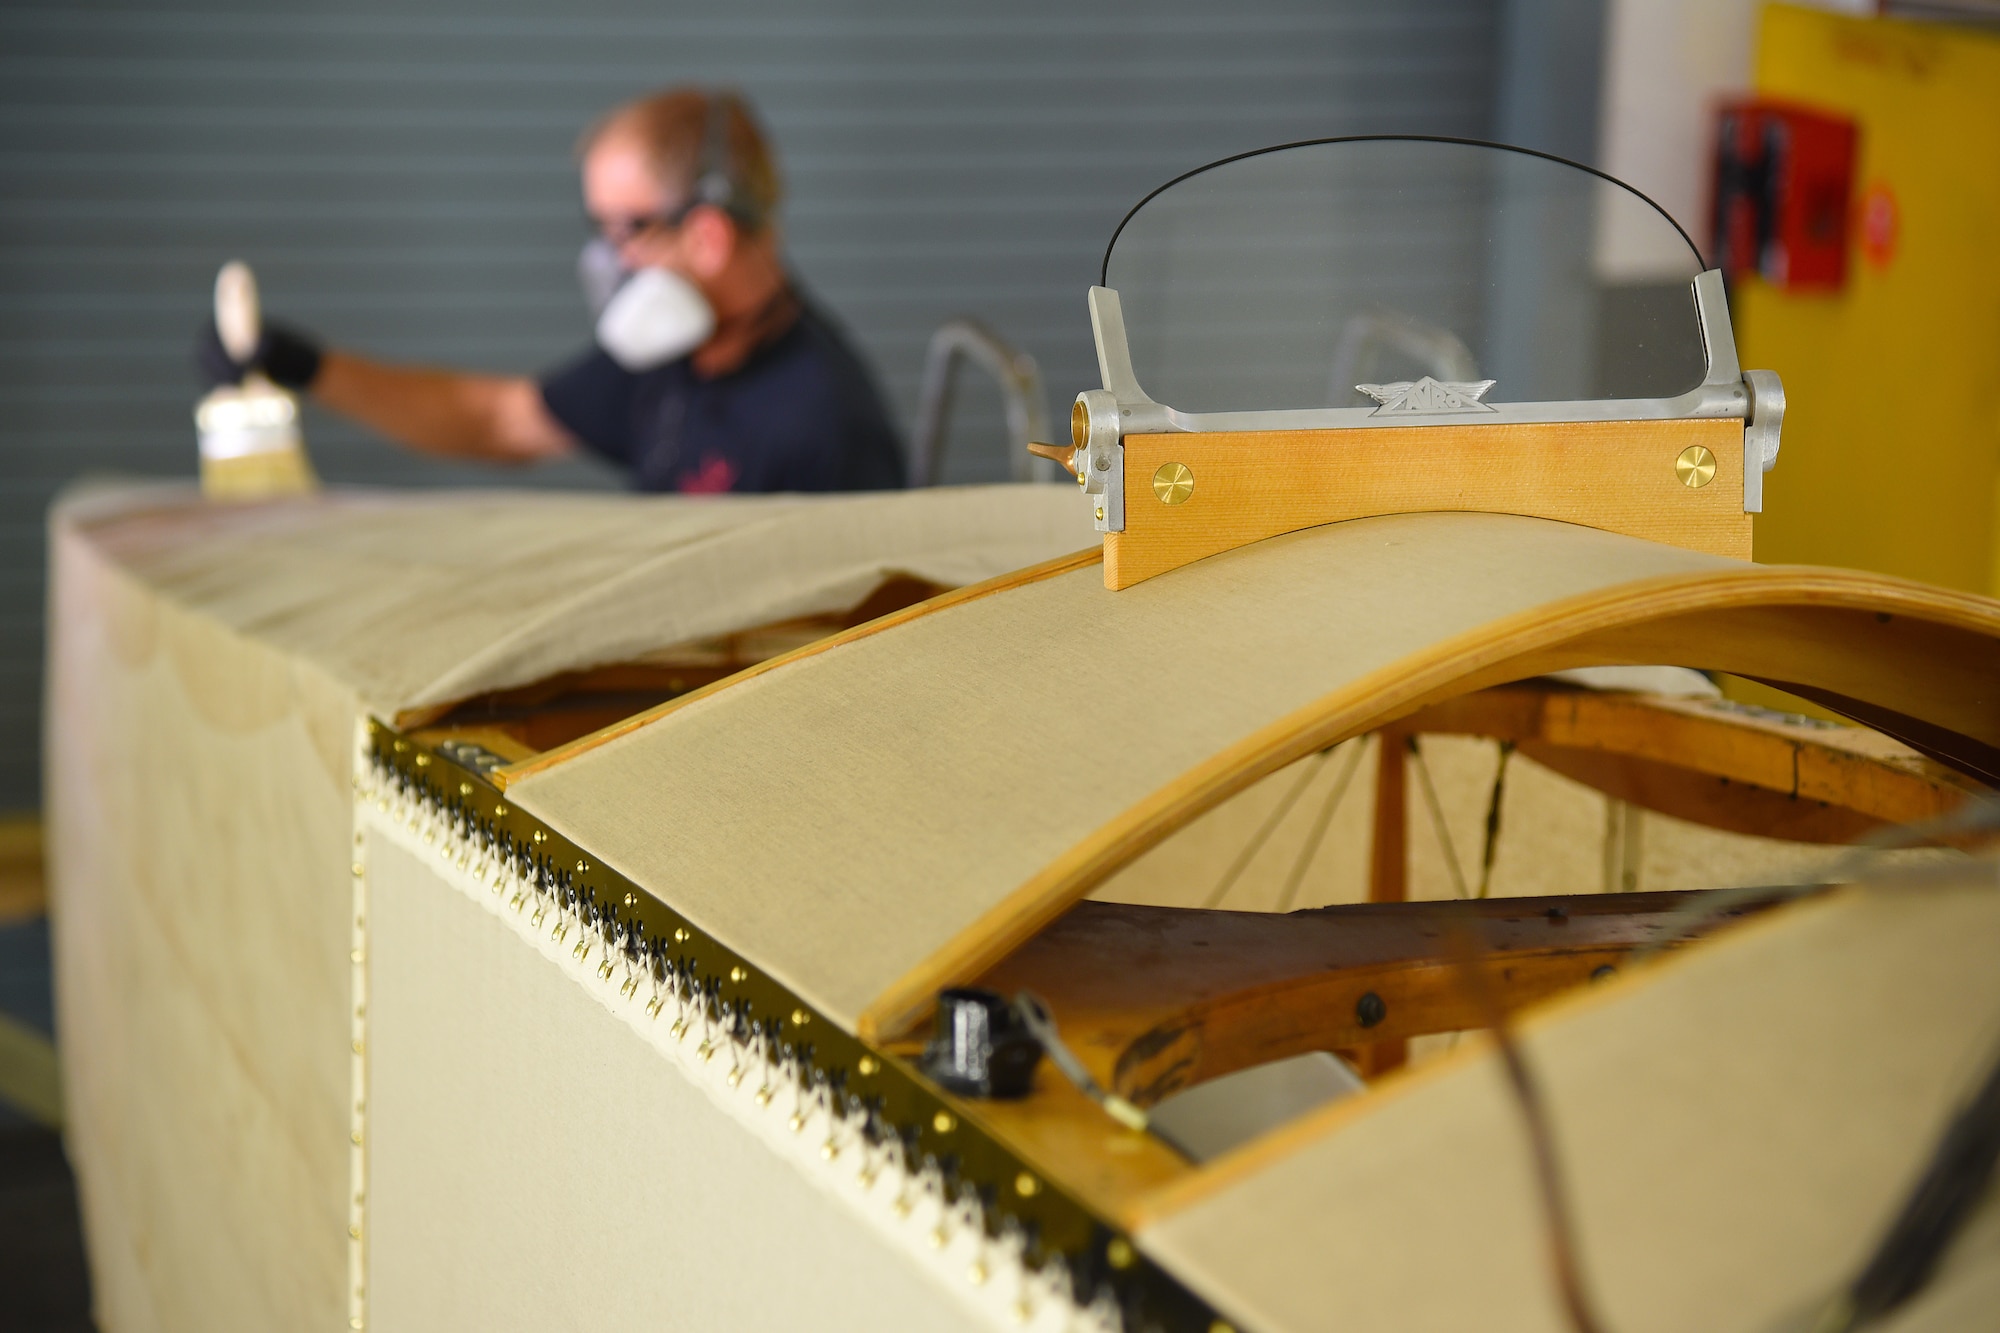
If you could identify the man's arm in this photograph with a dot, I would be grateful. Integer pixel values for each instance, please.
(500, 419)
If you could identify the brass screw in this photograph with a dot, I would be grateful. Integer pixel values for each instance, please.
(800, 1018)
(1100, 513)
(465, 789)
(1173, 483)
(1027, 1186)
(423, 761)
(738, 975)
(868, 1066)
(499, 812)
(943, 1122)
(1119, 1253)
(1695, 467)
(631, 899)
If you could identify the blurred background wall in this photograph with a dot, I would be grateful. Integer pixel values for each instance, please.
(400, 176)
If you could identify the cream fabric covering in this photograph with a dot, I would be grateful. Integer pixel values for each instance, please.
(415, 599)
(534, 1165)
(1738, 1127)
(208, 667)
(885, 795)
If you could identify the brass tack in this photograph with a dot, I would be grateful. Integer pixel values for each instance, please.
(1119, 1253)
(867, 1065)
(943, 1122)
(1173, 483)
(499, 812)
(738, 975)
(1695, 466)
(1027, 1186)
(800, 1018)
(465, 789)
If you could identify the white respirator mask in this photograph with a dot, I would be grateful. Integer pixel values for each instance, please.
(644, 318)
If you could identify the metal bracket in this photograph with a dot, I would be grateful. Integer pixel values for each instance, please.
(1097, 428)
(1123, 407)
(1760, 434)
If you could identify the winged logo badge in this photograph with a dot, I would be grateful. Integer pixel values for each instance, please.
(1428, 395)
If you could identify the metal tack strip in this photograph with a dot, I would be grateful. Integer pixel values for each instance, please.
(829, 1068)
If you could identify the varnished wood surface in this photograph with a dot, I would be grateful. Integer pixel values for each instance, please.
(1712, 763)
(1156, 999)
(1249, 485)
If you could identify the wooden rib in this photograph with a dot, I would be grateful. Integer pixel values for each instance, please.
(1048, 569)
(1711, 763)
(1158, 999)
(1705, 620)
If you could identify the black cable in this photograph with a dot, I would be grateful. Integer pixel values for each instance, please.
(1953, 1183)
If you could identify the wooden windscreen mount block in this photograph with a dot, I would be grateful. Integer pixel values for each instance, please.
(1220, 490)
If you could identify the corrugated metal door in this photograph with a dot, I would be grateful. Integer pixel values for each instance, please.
(401, 178)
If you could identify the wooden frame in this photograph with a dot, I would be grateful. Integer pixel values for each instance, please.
(1620, 476)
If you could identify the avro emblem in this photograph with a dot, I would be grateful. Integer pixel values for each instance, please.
(1428, 395)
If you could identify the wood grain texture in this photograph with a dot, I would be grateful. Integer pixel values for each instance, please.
(1157, 999)
(1249, 485)
(1712, 763)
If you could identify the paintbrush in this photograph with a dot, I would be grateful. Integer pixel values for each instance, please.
(251, 448)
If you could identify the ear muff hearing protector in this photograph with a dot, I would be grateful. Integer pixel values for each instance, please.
(715, 177)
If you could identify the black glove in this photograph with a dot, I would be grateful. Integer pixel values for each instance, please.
(287, 357)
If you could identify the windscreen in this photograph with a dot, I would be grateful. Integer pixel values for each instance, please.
(1286, 278)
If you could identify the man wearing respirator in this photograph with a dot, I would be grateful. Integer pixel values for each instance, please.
(710, 371)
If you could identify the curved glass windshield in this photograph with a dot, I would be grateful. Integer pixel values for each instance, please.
(1286, 278)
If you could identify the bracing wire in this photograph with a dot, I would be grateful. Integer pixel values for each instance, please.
(1307, 772)
(1320, 822)
(1437, 820)
(1493, 820)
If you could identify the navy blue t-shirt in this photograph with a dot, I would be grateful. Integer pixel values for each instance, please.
(801, 414)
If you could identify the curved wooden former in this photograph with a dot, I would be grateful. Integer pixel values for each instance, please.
(899, 808)
(1919, 663)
